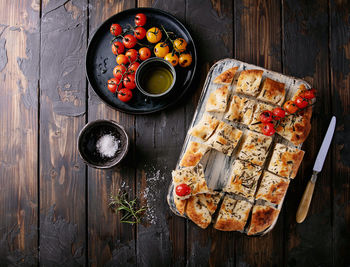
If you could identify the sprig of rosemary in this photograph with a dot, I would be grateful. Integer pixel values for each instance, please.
(129, 209)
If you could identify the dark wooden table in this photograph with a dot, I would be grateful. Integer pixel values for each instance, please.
(53, 209)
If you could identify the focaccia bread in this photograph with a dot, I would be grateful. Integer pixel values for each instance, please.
(241, 110)
(180, 203)
(194, 152)
(272, 92)
(217, 100)
(226, 77)
(201, 207)
(233, 215)
(249, 81)
(285, 161)
(205, 127)
(244, 179)
(254, 125)
(262, 218)
(193, 177)
(272, 188)
(225, 138)
(255, 148)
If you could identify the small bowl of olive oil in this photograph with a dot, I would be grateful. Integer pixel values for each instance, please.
(155, 77)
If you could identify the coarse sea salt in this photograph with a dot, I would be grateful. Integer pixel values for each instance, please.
(107, 145)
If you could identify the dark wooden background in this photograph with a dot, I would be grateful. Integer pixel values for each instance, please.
(53, 209)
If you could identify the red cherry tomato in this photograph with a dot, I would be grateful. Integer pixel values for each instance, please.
(301, 102)
(117, 48)
(145, 53)
(129, 41)
(266, 116)
(116, 29)
(268, 129)
(122, 59)
(113, 84)
(290, 107)
(278, 113)
(119, 71)
(133, 67)
(182, 190)
(309, 94)
(140, 33)
(132, 55)
(129, 81)
(124, 95)
(140, 19)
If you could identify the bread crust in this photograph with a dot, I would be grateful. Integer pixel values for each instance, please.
(226, 77)
(205, 127)
(249, 82)
(241, 109)
(217, 101)
(194, 152)
(262, 218)
(272, 92)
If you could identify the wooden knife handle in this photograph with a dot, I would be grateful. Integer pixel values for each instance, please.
(305, 202)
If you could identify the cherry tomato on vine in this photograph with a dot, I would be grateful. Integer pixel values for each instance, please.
(145, 53)
(116, 29)
(268, 129)
(129, 81)
(117, 48)
(154, 35)
(124, 95)
(133, 67)
(132, 55)
(140, 33)
(140, 19)
(161, 49)
(173, 59)
(180, 45)
(122, 59)
(266, 116)
(309, 94)
(129, 41)
(185, 60)
(182, 190)
(119, 71)
(301, 102)
(113, 84)
(290, 107)
(278, 113)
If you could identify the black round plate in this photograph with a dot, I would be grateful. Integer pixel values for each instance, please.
(100, 62)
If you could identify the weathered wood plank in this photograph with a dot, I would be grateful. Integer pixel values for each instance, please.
(19, 74)
(340, 102)
(258, 41)
(306, 56)
(111, 243)
(62, 172)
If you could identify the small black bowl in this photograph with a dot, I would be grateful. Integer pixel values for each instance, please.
(89, 136)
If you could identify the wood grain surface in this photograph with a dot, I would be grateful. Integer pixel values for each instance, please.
(54, 209)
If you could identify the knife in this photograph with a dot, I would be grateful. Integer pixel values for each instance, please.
(321, 156)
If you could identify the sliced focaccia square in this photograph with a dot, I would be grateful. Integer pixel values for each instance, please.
(272, 92)
(249, 81)
(233, 215)
(191, 176)
(225, 138)
(217, 100)
(244, 179)
(205, 127)
(262, 218)
(241, 110)
(180, 203)
(295, 128)
(255, 147)
(255, 123)
(201, 207)
(193, 154)
(285, 161)
(226, 77)
(272, 188)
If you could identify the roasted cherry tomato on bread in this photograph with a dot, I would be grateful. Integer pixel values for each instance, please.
(266, 116)
(180, 45)
(129, 41)
(145, 53)
(124, 95)
(132, 55)
(309, 94)
(133, 67)
(154, 35)
(301, 102)
(129, 81)
(113, 85)
(140, 19)
(122, 59)
(290, 107)
(268, 128)
(140, 33)
(278, 113)
(172, 58)
(119, 71)
(116, 29)
(161, 49)
(185, 60)
(182, 190)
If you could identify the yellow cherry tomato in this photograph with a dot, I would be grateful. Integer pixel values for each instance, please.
(154, 35)
(173, 59)
(180, 45)
(185, 60)
(161, 49)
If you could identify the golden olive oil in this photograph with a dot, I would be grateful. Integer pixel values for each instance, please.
(157, 80)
